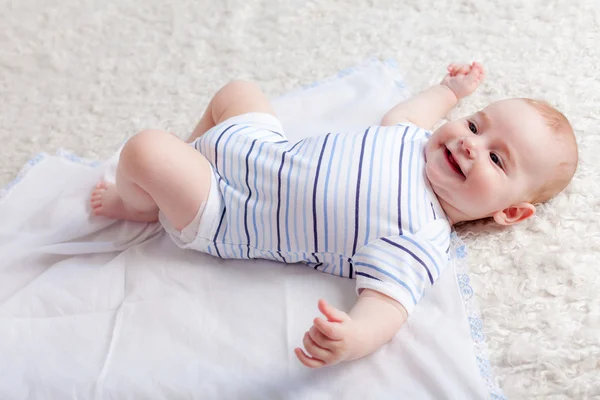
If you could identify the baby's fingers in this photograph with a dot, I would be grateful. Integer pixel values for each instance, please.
(306, 360)
(453, 69)
(476, 74)
(314, 349)
(458, 69)
(477, 69)
(332, 330)
(332, 313)
(464, 69)
(320, 339)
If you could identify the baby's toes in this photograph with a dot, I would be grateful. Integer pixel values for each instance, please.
(101, 185)
(96, 201)
(97, 195)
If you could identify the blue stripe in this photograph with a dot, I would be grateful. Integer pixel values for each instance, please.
(409, 188)
(217, 232)
(357, 201)
(259, 245)
(384, 272)
(239, 184)
(325, 219)
(217, 144)
(392, 266)
(367, 276)
(335, 196)
(279, 206)
(235, 210)
(277, 133)
(326, 264)
(314, 199)
(413, 255)
(378, 202)
(347, 197)
(270, 243)
(248, 199)
(299, 211)
(216, 165)
(305, 205)
(224, 166)
(266, 205)
(400, 183)
(287, 201)
(426, 253)
(225, 247)
(389, 231)
(368, 212)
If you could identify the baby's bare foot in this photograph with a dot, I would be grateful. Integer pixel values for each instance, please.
(106, 202)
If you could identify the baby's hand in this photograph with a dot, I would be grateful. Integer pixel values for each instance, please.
(328, 342)
(463, 79)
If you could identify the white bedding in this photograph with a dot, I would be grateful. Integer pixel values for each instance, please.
(95, 309)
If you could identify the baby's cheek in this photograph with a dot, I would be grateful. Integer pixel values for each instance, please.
(486, 193)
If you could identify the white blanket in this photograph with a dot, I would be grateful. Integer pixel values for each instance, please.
(92, 308)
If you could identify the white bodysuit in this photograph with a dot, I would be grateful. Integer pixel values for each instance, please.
(354, 204)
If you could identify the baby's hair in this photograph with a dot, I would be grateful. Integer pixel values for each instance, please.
(565, 168)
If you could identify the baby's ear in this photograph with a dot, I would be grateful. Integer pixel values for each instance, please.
(514, 214)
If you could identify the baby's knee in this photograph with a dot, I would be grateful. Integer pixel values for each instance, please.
(239, 97)
(234, 92)
(238, 87)
(140, 151)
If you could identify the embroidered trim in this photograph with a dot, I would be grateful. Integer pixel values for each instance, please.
(458, 249)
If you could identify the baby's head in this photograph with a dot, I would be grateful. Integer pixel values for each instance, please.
(501, 161)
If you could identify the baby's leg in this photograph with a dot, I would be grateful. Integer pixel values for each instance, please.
(156, 170)
(235, 98)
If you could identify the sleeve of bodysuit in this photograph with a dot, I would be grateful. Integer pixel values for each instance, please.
(401, 267)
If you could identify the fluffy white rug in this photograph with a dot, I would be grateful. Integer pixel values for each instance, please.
(87, 75)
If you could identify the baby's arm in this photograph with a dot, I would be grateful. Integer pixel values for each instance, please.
(372, 322)
(427, 108)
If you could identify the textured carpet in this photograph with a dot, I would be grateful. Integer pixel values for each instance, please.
(87, 75)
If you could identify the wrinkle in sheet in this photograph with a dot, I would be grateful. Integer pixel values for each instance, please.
(48, 260)
(113, 337)
(291, 357)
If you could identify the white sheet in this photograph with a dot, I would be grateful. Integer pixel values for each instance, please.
(95, 309)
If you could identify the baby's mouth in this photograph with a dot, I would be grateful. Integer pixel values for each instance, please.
(453, 163)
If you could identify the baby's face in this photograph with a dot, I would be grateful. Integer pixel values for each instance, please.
(491, 160)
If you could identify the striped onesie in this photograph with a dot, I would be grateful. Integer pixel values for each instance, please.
(356, 204)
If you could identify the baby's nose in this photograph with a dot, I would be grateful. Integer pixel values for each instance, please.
(468, 147)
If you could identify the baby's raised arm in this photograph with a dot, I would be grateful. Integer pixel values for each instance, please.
(372, 322)
(428, 107)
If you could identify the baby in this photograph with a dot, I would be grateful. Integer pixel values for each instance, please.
(376, 205)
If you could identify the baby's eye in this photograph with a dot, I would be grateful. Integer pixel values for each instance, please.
(495, 159)
(473, 127)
